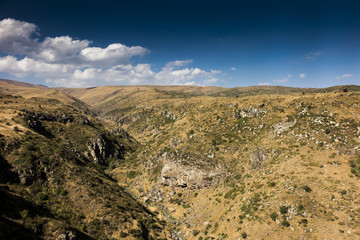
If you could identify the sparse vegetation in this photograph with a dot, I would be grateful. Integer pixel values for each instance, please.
(191, 166)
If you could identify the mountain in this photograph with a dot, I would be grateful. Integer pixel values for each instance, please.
(184, 162)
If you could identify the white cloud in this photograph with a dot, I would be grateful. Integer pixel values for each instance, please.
(15, 36)
(289, 75)
(28, 66)
(178, 63)
(65, 61)
(233, 69)
(15, 39)
(344, 76)
(263, 84)
(311, 56)
(302, 75)
(114, 54)
(62, 49)
(281, 80)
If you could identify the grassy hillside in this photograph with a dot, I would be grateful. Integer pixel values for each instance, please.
(205, 162)
(258, 166)
(54, 184)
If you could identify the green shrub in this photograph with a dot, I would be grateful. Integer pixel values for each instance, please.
(284, 209)
(24, 213)
(41, 196)
(285, 223)
(273, 216)
(271, 184)
(186, 205)
(131, 174)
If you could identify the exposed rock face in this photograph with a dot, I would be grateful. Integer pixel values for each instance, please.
(249, 112)
(103, 147)
(257, 157)
(169, 115)
(282, 127)
(174, 174)
(154, 195)
(97, 151)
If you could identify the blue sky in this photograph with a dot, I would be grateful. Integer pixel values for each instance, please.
(222, 43)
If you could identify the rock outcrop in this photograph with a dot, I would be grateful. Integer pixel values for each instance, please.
(282, 127)
(174, 174)
(249, 112)
(257, 157)
(97, 151)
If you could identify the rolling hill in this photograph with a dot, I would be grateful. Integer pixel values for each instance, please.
(181, 162)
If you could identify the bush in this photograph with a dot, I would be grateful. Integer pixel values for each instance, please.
(41, 196)
(304, 221)
(285, 223)
(244, 235)
(273, 216)
(186, 205)
(271, 184)
(131, 174)
(24, 213)
(284, 209)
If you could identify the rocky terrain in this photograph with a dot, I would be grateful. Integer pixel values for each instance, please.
(54, 185)
(192, 162)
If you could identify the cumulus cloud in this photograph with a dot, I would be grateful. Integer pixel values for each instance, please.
(27, 66)
(311, 56)
(348, 75)
(114, 54)
(65, 61)
(302, 75)
(15, 36)
(233, 69)
(62, 49)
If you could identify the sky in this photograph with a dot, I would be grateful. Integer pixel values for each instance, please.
(166, 42)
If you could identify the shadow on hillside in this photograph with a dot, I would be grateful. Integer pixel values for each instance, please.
(6, 175)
